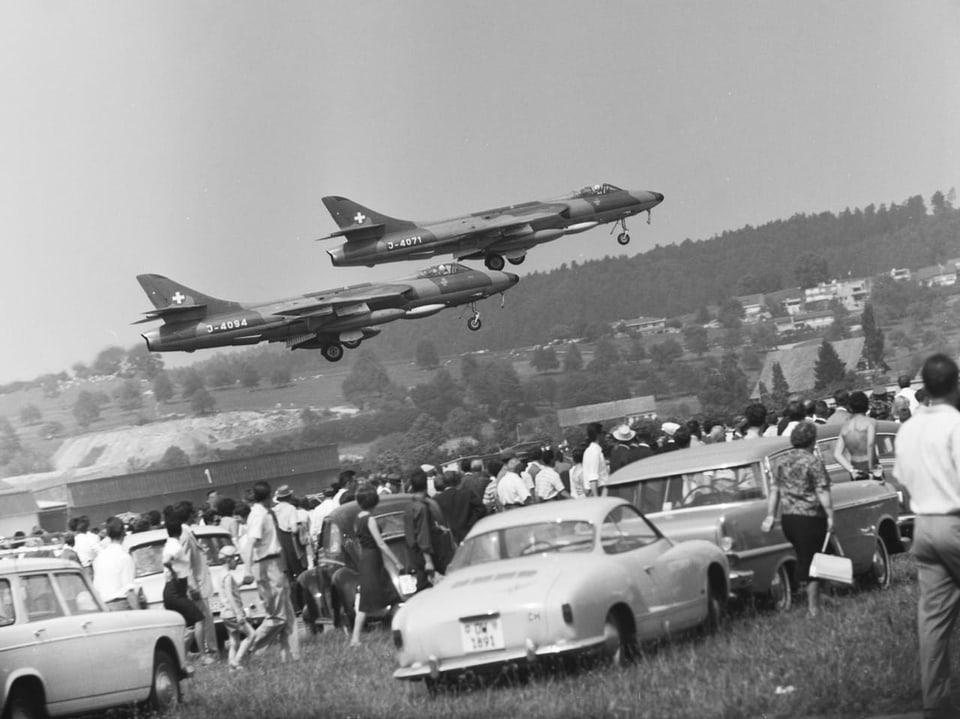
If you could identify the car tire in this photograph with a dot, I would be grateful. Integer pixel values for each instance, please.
(879, 572)
(24, 705)
(619, 645)
(781, 593)
(165, 686)
(714, 620)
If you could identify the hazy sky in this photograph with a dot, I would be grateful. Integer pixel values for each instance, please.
(195, 139)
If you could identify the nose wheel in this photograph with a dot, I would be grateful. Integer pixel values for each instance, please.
(474, 322)
(332, 353)
(624, 237)
(494, 262)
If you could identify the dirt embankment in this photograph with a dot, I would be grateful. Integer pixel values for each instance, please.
(138, 447)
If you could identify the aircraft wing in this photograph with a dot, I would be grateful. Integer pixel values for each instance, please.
(488, 229)
(339, 303)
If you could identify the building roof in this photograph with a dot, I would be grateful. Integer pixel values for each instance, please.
(798, 363)
(747, 300)
(606, 411)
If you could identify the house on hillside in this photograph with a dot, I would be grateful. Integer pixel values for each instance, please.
(900, 274)
(813, 320)
(754, 308)
(799, 363)
(942, 275)
(645, 325)
(851, 293)
(791, 299)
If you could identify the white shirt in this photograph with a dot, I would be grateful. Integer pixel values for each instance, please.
(911, 395)
(577, 490)
(511, 489)
(261, 533)
(549, 484)
(318, 513)
(174, 555)
(286, 516)
(594, 466)
(86, 545)
(113, 572)
(928, 459)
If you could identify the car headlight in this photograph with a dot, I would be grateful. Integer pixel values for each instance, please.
(726, 543)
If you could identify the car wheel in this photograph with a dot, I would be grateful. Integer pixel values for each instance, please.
(165, 688)
(879, 574)
(714, 620)
(23, 705)
(781, 593)
(618, 644)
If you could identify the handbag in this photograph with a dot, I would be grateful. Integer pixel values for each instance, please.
(832, 567)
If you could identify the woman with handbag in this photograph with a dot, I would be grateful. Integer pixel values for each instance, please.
(801, 488)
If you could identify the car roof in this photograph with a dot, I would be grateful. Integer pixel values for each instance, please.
(719, 456)
(588, 509)
(387, 503)
(155, 535)
(698, 459)
(18, 565)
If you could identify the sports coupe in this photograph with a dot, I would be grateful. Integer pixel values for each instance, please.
(554, 581)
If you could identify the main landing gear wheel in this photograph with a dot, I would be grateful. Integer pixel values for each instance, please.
(494, 262)
(516, 260)
(623, 238)
(333, 353)
(350, 344)
(474, 323)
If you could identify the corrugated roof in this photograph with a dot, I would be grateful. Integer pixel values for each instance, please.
(606, 411)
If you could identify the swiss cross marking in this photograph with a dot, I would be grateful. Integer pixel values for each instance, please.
(178, 298)
(359, 218)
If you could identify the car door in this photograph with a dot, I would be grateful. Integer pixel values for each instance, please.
(650, 572)
(856, 504)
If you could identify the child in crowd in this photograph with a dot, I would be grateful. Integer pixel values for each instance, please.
(239, 629)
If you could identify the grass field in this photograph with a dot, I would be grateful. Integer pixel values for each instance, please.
(858, 659)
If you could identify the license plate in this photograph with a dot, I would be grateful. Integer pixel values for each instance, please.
(481, 635)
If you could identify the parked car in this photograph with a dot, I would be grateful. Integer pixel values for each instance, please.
(718, 492)
(555, 581)
(330, 587)
(146, 548)
(53, 625)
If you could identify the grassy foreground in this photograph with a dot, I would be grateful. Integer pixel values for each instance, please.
(858, 659)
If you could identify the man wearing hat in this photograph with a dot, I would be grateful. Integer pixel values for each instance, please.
(881, 404)
(623, 437)
(292, 532)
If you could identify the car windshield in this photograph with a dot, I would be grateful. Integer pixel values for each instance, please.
(562, 536)
(147, 558)
(694, 489)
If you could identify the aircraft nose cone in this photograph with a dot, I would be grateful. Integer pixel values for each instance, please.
(512, 279)
(658, 196)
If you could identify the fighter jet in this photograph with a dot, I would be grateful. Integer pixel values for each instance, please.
(328, 320)
(492, 235)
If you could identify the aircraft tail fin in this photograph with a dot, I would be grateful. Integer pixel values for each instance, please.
(358, 222)
(175, 302)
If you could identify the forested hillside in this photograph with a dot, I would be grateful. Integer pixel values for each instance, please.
(677, 279)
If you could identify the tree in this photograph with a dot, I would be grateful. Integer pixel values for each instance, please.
(605, 355)
(544, 358)
(9, 442)
(811, 269)
(109, 361)
(663, 353)
(280, 376)
(637, 350)
(427, 357)
(249, 376)
(141, 361)
(51, 385)
(438, 397)
(731, 313)
(86, 410)
(368, 379)
(695, 337)
(80, 370)
(781, 391)
(872, 338)
(162, 387)
(173, 457)
(829, 368)
(128, 395)
(726, 391)
(202, 402)
(190, 383)
(703, 315)
(30, 414)
(572, 360)
(222, 375)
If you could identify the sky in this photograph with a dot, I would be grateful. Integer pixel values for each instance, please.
(196, 140)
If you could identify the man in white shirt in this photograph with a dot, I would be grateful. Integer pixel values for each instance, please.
(511, 489)
(86, 544)
(549, 484)
(928, 465)
(906, 393)
(594, 464)
(263, 562)
(113, 571)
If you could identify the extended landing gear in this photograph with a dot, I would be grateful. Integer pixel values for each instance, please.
(350, 344)
(474, 322)
(332, 353)
(516, 260)
(624, 237)
(495, 262)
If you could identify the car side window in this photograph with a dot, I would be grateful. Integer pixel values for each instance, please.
(76, 593)
(147, 559)
(39, 598)
(8, 615)
(625, 529)
(886, 446)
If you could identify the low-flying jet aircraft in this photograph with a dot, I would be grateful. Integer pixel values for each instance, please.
(492, 235)
(328, 320)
